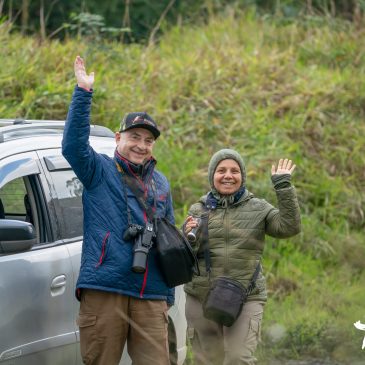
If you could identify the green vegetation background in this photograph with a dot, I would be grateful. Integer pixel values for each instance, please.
(269, 89)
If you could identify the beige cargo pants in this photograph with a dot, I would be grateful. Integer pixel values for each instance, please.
(213, 344)
(108, 320)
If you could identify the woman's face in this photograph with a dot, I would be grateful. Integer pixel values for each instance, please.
(227, 177)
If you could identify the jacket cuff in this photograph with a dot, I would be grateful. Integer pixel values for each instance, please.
(77, 87)
(281, 181)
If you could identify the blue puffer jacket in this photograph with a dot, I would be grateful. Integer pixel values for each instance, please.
(106, 259)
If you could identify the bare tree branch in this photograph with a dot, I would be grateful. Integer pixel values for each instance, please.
(10, 16)
(151, 39)
(10, 22)
(357, 13)
(333, 8)
(126, 19)
(42, 22)
(309, 7)
(56, 31)
(50, 10)
(1, 6)
(25, 15)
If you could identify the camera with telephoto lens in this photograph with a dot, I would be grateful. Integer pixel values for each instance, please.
(143, 241)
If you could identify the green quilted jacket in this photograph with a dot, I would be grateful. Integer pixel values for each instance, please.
(237, 238)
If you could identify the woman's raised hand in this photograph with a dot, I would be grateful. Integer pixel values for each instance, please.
(83, 79)
(285, 166)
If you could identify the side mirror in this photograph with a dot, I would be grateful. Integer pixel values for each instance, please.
(16, 236)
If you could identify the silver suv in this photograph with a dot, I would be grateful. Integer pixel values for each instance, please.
(40, 248)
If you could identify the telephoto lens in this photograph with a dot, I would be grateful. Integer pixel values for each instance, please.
(142, 245)
(140, 258)
(194, 232)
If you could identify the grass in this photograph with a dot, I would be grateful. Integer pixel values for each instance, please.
(268, 89)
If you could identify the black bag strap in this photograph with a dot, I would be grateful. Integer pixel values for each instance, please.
(208, 262)
(255, 275)
(205, 240)
(137, 192)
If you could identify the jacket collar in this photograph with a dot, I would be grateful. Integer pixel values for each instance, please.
(211, 202)
(143, 171)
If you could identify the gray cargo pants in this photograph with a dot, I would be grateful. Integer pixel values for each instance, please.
(213, 344)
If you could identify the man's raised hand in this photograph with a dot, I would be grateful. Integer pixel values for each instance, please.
(83, 79)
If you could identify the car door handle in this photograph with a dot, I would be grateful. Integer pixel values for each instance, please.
(58, 282)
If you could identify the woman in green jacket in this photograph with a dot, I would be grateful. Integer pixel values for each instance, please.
(235, 227)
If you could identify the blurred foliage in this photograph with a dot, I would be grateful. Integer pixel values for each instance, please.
(140, 17)
(268, 88)
(92, 27)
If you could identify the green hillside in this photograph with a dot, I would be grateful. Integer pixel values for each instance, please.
(270, 90)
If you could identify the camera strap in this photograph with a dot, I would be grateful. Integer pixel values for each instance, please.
(205, 240)
(131, 183)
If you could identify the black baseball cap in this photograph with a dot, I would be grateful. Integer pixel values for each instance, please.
(139, 120)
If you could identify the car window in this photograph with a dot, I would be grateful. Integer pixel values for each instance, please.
(12, 198)
(20, 199)
(69, 198)
(22, 193)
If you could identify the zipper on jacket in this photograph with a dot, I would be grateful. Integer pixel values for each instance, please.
(144, 281)
(226, 237)
(103, 247)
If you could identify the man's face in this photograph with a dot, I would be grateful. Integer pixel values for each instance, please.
(135, 144)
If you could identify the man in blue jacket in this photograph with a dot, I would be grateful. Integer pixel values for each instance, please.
(118, 304)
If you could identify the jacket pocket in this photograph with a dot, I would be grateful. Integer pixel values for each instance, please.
(86, 320)
(254, 334)
(104, 247)
(89, 344)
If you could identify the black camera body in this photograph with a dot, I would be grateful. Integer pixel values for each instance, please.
(143, 241)
(132, 231)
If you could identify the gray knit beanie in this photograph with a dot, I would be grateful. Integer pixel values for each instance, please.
(221, 155)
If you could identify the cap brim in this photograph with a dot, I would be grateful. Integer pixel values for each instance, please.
(151, 128)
